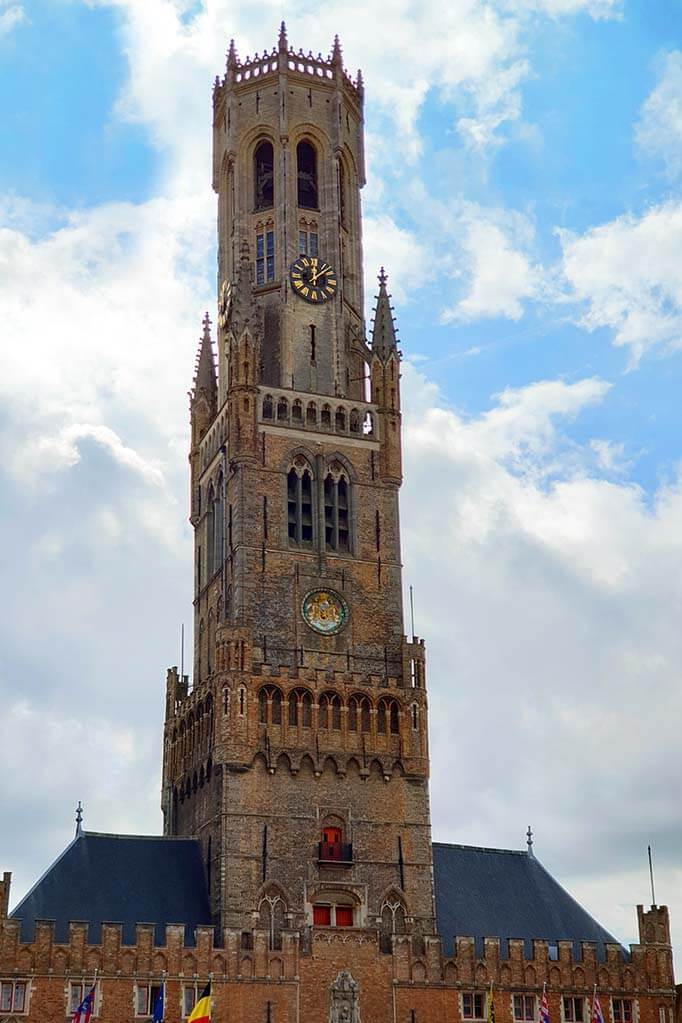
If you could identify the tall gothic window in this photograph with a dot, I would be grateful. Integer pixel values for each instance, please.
(306, 162)
(218, 526)
(342, 194)
(263, 176)
(300, 504)
(210, 532)
(336, 510)
(265, 257)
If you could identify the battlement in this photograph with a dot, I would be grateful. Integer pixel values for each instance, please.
(283, 58)
(238, 956)
(302, 411)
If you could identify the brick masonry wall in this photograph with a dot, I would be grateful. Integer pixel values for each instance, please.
(297, 983)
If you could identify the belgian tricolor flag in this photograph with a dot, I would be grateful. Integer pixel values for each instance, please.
(201, 1013)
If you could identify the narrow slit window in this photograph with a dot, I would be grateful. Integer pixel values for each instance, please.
(300, 508)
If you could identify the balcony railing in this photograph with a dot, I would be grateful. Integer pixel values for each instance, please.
(335, 852)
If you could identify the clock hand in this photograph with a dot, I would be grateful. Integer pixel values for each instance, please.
(314, 277)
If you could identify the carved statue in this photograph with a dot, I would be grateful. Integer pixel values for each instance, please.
(345, 1000)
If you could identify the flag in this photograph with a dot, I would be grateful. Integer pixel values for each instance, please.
(597, 1014)
(544, 1007)
(201, 1013)
(86, 1008)
(490, 1012)
(158, 1005)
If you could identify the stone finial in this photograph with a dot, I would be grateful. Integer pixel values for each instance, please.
(79, 819)
(529, 841)
(282, 41)
(337, 56)
(231, 56)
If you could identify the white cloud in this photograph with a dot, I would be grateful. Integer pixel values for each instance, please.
(10, 17)
(658, 133)
(550, 606)
(498, 273)
(628, 275)
(596, 9)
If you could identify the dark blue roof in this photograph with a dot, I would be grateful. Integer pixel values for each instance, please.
(499, 893)
(126, 879)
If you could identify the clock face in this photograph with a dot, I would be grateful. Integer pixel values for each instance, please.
(313, 279)
(224, 303)
(325, 611)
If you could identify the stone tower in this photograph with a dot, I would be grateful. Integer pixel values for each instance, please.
(299, 756)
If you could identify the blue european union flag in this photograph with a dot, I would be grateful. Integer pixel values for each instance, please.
(158, 1007)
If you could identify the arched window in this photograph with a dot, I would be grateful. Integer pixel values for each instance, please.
(306, 162)
(210, 532)
(340, 419)
(200, 649)
(381, 717)
(300, 504)
(330, 711)
(297, 412)
(392, 922)
(271, 913)
(311, 414)
(282, 410)
(358, 712)
(342, 194)
(326, 417)
(300, 708)
(394, 718)
(263, 176)
(270, 706)
(267, 407)
(210, 641)
(336, 510)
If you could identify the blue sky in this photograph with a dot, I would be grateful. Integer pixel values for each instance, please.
(523, 191)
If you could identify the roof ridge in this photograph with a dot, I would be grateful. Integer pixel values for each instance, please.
(482, 848)
(155, 838)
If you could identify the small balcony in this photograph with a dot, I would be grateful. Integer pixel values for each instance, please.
(336, 853)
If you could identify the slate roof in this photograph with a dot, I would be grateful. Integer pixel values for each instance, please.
(132, 879)
(125, 879)
(500, 893)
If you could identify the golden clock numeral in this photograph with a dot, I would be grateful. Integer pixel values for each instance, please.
(305, 262)
(330, 291)
(313, 295)
(332, 282)
(305, 291)
(298, 284)
(296, 277)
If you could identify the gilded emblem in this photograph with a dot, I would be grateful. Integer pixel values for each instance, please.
(325, 611)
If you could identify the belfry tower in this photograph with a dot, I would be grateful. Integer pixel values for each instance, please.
(299, 757)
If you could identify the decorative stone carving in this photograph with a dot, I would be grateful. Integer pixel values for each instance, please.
(345, 1000)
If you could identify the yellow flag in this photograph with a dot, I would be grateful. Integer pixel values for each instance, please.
(201, 1013)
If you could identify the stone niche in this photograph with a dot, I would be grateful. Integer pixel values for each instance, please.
(345, 1000)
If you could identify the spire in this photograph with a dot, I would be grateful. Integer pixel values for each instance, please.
(384, 338)
(79, 820)
(282, 42)
(244, 310)
(337, 56)
(529, 841)
(204, 377)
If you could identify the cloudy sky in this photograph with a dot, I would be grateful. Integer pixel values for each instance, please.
(525, 159)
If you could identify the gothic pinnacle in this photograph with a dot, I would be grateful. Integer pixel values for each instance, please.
(282, 42)
(205, 379)
(383, 334)
(231, 56)
(337, 57)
